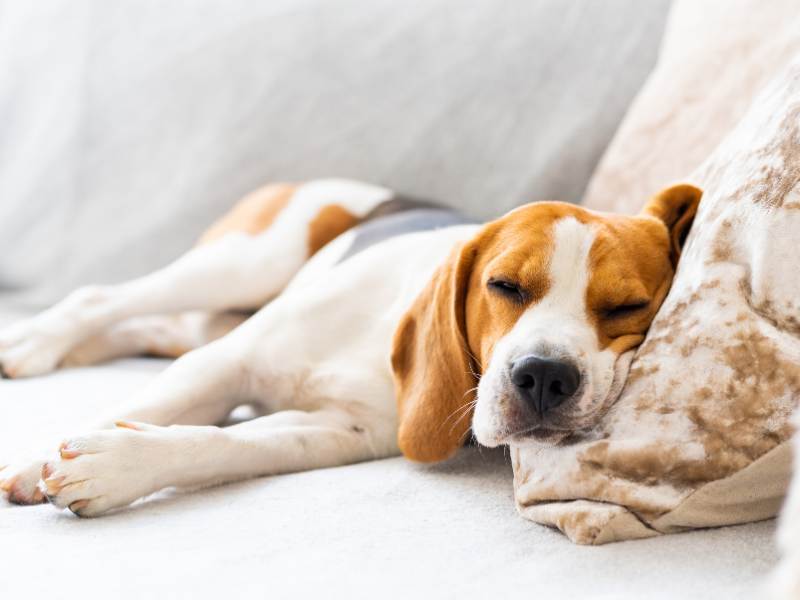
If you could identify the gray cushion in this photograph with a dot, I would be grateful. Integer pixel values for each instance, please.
(128, 126)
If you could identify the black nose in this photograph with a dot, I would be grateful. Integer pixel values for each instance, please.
(544, 383)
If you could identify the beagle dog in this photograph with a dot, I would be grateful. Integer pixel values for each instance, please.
(383, 325)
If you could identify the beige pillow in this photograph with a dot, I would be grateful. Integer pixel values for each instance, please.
(699, 435)
(715, 56)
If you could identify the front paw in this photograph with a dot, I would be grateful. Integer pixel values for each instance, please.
(18, 483)
(96, 473)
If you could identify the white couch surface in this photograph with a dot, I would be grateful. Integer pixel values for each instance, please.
(385, 529)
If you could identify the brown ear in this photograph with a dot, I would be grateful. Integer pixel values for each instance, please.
(433, 372)
(676, 206)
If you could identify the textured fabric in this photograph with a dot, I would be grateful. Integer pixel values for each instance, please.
(716, 56)
(129, 126)
(387, 529)
(711, 390)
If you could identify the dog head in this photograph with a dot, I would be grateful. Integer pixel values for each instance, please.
(527, 330)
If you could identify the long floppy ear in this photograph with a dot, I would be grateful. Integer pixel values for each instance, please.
(433, 372)
(676, 206)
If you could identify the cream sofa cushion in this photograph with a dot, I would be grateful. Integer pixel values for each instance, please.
(716, 55)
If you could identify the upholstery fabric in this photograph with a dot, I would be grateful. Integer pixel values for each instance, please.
(716, 56)
(129, 126)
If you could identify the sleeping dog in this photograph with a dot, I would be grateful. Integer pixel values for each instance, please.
(383, 325)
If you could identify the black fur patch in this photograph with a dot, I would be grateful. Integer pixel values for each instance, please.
(399, 216)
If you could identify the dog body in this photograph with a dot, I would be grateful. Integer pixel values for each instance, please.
(378, 319)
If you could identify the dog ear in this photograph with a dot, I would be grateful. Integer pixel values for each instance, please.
(676, 207)
(433, 371)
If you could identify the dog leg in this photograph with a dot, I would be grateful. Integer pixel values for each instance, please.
(110, 469)
(231, 273)
(236, 268)
(202, 388)
(168, 336)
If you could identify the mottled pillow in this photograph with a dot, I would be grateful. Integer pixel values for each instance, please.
(699, 435)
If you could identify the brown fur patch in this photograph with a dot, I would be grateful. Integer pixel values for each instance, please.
(331, 221)
(253, 214)
(633, 261)
(432, 368)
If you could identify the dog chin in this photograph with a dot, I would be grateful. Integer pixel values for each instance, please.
(540, 436)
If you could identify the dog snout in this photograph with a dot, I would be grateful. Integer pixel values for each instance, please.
(544, 383)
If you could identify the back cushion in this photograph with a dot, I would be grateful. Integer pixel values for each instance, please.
(129, 126)
(716, 56)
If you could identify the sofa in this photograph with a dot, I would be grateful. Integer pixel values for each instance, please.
(130, 126)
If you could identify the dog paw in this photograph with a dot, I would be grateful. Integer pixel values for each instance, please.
(18, 483)
(28, 349)
(96, 473)
(38, 345)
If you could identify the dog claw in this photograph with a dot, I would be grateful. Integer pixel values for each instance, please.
(78, 505)
(66, 453)
(53, 485)
(129, 425)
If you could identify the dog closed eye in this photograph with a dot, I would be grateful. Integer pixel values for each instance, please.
(625, 310)
(508, 289)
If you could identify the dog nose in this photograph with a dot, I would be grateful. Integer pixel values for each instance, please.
(544, 383)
